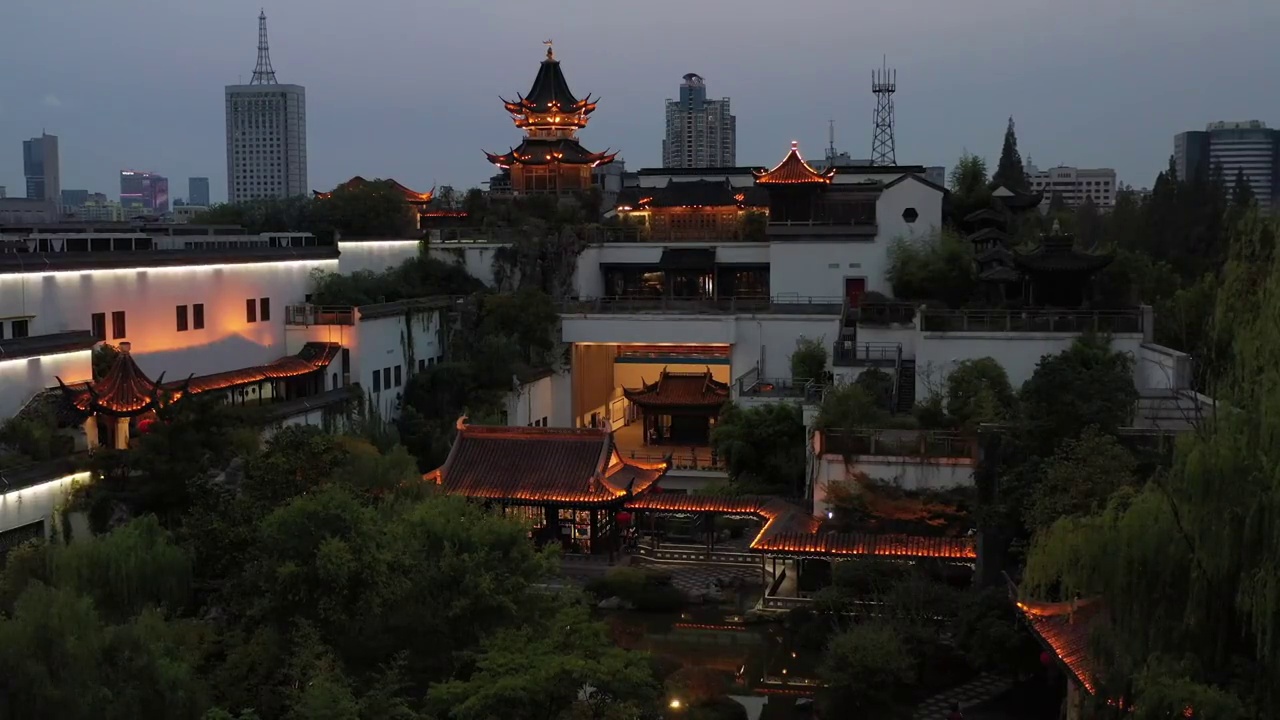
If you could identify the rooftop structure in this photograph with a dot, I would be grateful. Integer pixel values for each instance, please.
(679, 408)
(550, 160)
(700, 133)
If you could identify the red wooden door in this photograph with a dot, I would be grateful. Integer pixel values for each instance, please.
(854, 289)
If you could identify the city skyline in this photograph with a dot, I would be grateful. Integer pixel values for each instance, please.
(382, 112)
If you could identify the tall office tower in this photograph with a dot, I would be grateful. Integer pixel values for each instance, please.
(198, 191)
(40, 165)
(700, 132)
(266, 133)
(143, 192)
(1247, 148)
(74, 198)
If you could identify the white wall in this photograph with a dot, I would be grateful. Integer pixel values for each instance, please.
(1162, 368)
(772, 339)
(23, 378)
(374, 255)
(908, 473)
(38, 502)
(647, 328)
(910, 193)
(549, 397)
(475, 258)
(382, 343)
(65, 300)
(819, 268)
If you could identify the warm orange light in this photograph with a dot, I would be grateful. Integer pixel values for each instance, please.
(794, 170)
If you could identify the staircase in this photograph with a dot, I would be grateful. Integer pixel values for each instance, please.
(905, 397)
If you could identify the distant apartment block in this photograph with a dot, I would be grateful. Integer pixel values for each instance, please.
(701, 133)
(198, 191)
(74, 198)
(40, 165)
(144, 191)
(1075, 185)
(1247, 147)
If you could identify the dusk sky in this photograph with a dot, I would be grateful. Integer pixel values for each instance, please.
(410, 89)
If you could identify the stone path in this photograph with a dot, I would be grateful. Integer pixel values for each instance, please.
(980, 689)
(700, 578)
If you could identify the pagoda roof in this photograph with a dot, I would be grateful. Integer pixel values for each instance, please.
(794, 170)
(1057, 253)
(989, 234)
(312, 357)
(546, 152)
(412, 196)
(986, 215)
(124, 391)
(680, 390)
(693, 193)
(1000, 273)
(550, 99)
(568, 466)
(1017, 199)
(789, 530)
(999, 253)
(1064, 629)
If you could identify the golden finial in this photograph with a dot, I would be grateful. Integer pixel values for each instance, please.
(550, 53)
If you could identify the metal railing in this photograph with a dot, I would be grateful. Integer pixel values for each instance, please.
(778, 304)
(1032, 320)
(882, 313)
(899, 443)
(687, 459)
(847, 353)
(810, 390)
(319, 315)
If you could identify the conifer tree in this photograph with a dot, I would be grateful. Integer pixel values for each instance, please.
(1010, 172)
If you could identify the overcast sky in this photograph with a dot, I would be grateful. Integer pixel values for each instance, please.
(409, 88)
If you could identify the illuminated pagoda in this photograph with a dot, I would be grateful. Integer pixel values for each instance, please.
(550, 160)
(570, 484)
(124, 392)
(794, 188)
(679, 408)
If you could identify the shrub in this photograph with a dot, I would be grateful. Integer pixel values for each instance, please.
(809, 361)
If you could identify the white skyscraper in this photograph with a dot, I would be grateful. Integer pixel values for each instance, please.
(266, 133)
(700, 132)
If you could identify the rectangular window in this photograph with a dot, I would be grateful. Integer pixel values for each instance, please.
(21, 328)
(399, 379)
(422, 364)
(386, 378)
(117, 325)
(377, 381)
(182, 318)
(250, 311)
(265, 313)
(99, 323)
(197, 316)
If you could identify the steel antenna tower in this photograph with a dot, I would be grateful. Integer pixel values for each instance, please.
(883, 83)
(263, 74)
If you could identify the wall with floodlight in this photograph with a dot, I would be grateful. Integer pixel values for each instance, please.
(37, 503)
(232, 336)
(375, 255)
(23, 378)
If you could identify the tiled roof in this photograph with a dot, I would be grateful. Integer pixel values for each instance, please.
(312, 357)
(1064, 629)
(694, 193)
(125, 391)
(37, 345)
(675, 389)
(550, 93)
(412, 196)
(541, 465)
(545, 152)
(789, 530)
(794, 170)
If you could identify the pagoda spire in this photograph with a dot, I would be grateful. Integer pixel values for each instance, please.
(263, 73)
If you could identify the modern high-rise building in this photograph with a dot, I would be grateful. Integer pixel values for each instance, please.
(700, 132)
(266, 133)
(1074, 185)
(74, 198)
(1248, 147)
(198, 191)
(40, 165)
(144, 192)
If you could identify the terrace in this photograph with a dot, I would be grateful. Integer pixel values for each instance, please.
(847, 353)
(1033, 319)
(775, 305)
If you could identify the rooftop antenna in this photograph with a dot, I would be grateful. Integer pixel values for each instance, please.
(831, 139)
(884, 82)
(263, 74)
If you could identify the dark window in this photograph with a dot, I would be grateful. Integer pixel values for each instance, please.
(386, 378)
(117, 325)
(197, 316)
(399, 379)
(250, 311)
(182, 318)
(21, 328)
(265, 313)
(422, 364)
(1, 331)
(99, 323)
(377, 381)
(910, 215)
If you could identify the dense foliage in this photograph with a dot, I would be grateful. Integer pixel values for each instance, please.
(374, 209)
(808, 361)
(763, 448)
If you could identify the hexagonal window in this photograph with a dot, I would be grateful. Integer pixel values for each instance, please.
(910, 215)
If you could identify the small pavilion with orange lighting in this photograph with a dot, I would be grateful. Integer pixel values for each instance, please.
(794, 188)
(679, 408)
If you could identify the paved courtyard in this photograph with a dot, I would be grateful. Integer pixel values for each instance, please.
(703, 577)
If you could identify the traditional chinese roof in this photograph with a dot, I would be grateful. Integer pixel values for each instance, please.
(549, 102)
(693, 193)
(411, 196)
(125, 390)
(989, 235)
(1000, 274)
(312, 357)
(1057, 253)
(1064, 629)
(542, 466)
(1017, 200)
(789, 530)
(566, 151)
(680, 390)
(794, 170)
(999, 253)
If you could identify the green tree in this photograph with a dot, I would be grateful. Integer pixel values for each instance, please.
(1079, 479)
(1242, 195)
(808, 361)
(878, 386)
(763, 447)
(849, 407)
(978, 391)
(1010, 172)
(968, 179)
(867, 671)
(1088, 384)
(939, 268)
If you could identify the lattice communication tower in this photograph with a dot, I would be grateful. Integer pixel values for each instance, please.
(884, 82)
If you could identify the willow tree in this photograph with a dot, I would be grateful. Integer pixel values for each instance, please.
(1188, 567)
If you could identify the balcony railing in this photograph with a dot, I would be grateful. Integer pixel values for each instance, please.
(319, 315)
(881, 313)
(810, 390)
(778, 304)
(1033, 320)
(899, 443)
(687, 459)
(846, 353)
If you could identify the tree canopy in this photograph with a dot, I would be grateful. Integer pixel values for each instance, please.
(1010, 172)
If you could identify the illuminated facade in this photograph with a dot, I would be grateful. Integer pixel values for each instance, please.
(550, 160)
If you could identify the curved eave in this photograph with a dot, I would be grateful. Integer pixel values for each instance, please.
(1067, 263)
